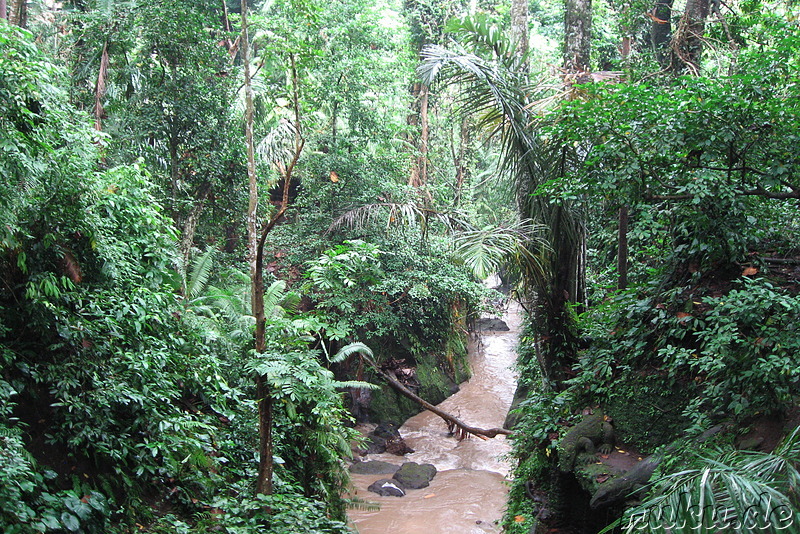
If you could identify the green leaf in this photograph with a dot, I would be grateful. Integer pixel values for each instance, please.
(70, 521)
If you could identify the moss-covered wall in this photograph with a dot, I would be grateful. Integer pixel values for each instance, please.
(438, 374)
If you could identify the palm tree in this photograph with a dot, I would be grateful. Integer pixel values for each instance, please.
(497, 90)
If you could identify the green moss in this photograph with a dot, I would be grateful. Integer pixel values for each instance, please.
(587, 475)
(388, 405)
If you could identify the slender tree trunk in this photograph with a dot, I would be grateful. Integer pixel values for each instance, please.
(419, 171)
(226, 26)
(519, 25)
(622, 248)
(174, 168)
(190, 225)
(454, 425)
(18, 14)
(577, 34)
(660, 30)
(564, 285)
(263, 396)
(3, 10)
(687, 42)
(459, 161)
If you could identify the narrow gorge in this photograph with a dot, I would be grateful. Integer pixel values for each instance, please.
(468, 493)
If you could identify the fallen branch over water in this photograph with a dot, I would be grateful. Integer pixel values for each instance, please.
(455, 426)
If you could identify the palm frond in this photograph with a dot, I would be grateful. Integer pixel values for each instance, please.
(741, 492)
(357, 503)
(485, 250)
(278, 144)
(395, 213)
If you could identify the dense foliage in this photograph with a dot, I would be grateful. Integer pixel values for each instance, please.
(643, 206)
(701, 172)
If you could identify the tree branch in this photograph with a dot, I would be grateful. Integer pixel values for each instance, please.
(758, 192)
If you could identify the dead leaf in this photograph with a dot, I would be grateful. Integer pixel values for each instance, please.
(749, 271)
(602, 478)
(519, 518)
(428, 496)
(334, 177)
(682, 315)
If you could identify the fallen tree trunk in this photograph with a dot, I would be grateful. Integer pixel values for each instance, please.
(454, 425)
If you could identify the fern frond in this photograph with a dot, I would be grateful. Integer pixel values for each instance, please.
(273, 296)
(350, 349)
(199, 274)
(355, 384)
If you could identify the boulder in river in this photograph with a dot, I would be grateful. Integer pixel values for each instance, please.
(387, 487)
(487, 324)
(386, 438)
(374, 467)
(412, 475)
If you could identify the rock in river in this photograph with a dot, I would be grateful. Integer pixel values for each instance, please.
(387, 487)
(374, 467)
(412, 475)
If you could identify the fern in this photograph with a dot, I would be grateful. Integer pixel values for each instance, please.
(196, 280)
(348, 350)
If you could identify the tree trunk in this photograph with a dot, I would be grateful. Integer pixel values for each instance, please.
(100, 89)
(459, 161)
(660, 31)
(419, 171)
(3, 10)
(190, 226)
(687, 42)
(454, 425)
(622, 248)
(18, 14)
(561, 293)
(577, 34)
(519, 25)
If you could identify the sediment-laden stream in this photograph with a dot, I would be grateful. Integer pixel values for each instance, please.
(469, 492)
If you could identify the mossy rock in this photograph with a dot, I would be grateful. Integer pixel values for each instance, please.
(412, 475)
(373, 467)
(647, 410)
(387, 404)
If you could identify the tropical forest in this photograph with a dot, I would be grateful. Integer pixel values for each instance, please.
(399, 266)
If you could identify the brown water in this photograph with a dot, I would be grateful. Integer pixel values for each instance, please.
(469, 491)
